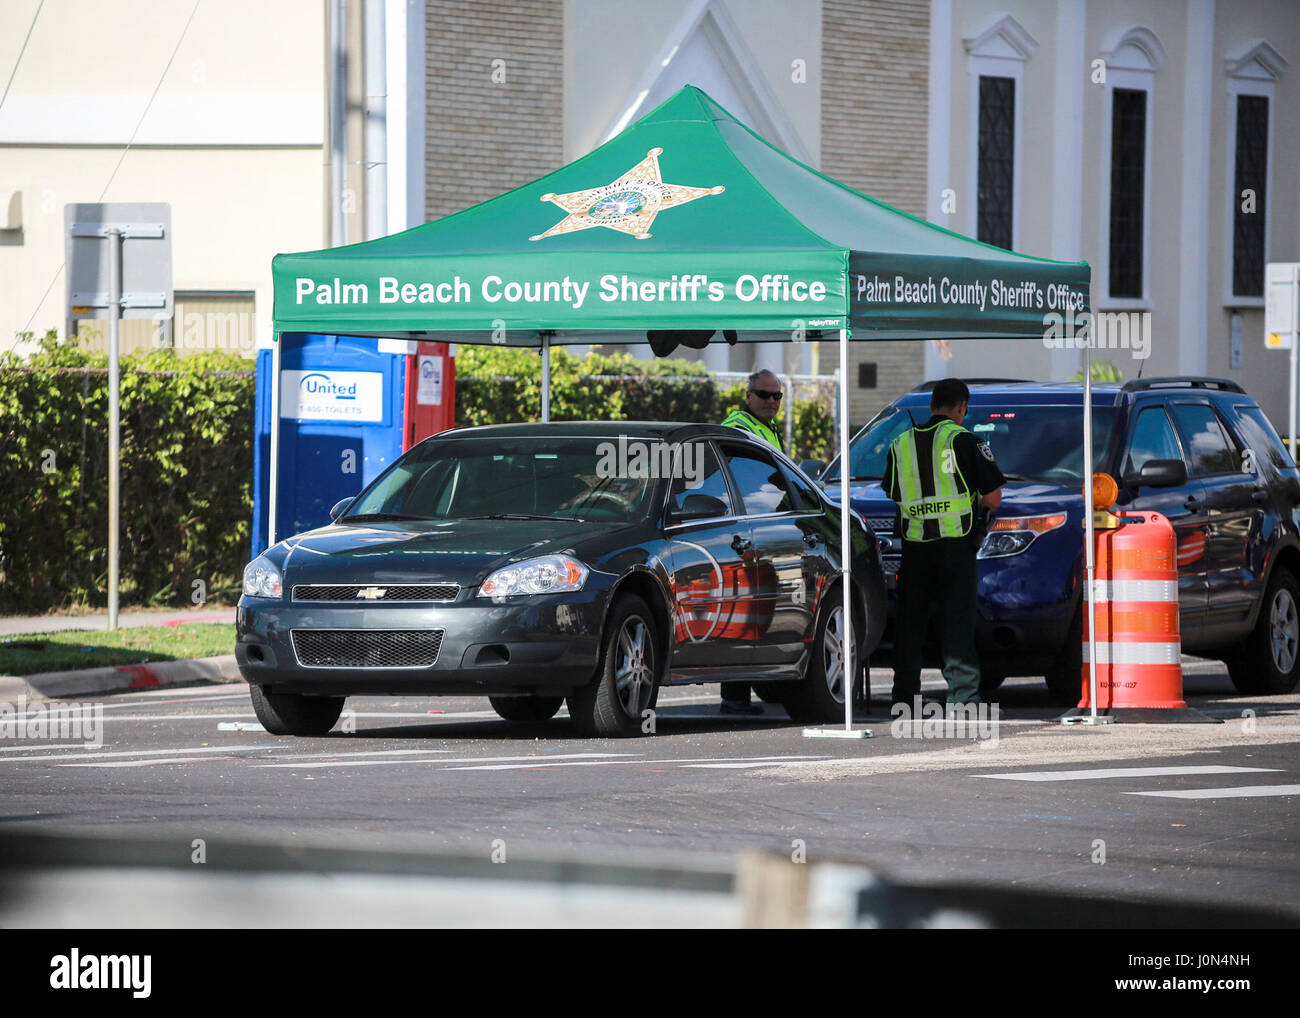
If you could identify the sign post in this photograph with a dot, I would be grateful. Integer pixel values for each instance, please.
(1282, 322)
(131, 279)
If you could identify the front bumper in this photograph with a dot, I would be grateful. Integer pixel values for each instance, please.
(545, 644)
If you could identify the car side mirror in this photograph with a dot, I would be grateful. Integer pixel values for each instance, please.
(698, 507)
(813, 468)
(341, 506)
(1158, 474)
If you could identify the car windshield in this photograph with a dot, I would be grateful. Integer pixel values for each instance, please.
(1032, 443)
(566, 478)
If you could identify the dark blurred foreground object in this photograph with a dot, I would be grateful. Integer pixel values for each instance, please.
(665, 341)
(76, 882)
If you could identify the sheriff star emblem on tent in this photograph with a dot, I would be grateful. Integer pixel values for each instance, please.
(628, 205)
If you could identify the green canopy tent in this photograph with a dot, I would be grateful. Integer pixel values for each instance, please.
(686, 221)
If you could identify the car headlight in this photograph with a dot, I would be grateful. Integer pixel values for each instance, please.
(263, 579)
(1010, 535)
(549, 574)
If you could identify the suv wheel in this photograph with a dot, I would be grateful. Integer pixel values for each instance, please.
(526, 708)
(627, 678)
(295, 713)
(820, 696)
(1268, 660)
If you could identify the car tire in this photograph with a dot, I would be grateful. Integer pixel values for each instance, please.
(295, 713)
(1268, 660)
(815, 698)
(627, 677)
(990, 680)
(1064, 676)
(526, 708)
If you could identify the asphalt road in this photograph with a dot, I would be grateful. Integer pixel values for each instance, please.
(1187, 813)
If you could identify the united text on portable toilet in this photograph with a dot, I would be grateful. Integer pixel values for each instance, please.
(342, 422)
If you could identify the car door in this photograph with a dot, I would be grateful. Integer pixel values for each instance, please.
(780, 531)
(709, 575)
(1152, 436)
(1233, 515)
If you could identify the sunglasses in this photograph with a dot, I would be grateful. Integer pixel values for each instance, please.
(766, 394)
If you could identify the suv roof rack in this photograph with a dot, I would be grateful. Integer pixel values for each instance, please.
(1188, 382)
(929, 386)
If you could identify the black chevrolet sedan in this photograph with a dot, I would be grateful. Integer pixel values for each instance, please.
(534, 563)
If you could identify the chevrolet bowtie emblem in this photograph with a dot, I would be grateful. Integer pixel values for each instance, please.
(371, 592)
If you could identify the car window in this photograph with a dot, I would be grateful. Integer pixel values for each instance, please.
(573, 477)
(1153, 439)
(1261, 437)
(1210, 449)
(758, 481)
(699, 473)
(869, 449)
(801, 492)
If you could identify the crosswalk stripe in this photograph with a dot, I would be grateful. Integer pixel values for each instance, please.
(101, 755)
(701, 762)
(1098, 773)
(359, 752)
(443, 760)
(1240, 792)
(47, 746)
(154, 762)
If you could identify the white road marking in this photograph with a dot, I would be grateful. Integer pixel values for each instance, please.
(157, 761)
(700, 762)
(742, 766)
(101, 755)
(240, 726)
(1097, 774)
(1241, 792)
(468, 759)
(359, 752)
(47, 746)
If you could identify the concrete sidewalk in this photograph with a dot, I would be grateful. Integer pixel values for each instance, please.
(11, 625)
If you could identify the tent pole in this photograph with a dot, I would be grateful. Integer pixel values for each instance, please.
(273, 482)
(546, 377)
(846, 561)
(846, 547)
(1089, 549)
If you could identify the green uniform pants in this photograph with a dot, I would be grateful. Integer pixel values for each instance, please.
(940, 577)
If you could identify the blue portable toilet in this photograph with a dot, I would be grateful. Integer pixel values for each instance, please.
(341, 419)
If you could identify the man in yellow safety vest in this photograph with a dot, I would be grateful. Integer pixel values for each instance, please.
(762, 401)
(940, 475)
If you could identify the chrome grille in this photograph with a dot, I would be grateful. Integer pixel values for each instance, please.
(881, 524)
(367, 648)
(349, 593)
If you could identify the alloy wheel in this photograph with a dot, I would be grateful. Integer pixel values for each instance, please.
(1285, 631)
(833, 654)
(633, 674)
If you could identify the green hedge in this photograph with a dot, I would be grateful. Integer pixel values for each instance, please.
(186, 478)
(187, 457)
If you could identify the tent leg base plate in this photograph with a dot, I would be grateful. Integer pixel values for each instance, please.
(838, 733)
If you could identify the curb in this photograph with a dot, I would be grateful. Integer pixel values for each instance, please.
(119, 678)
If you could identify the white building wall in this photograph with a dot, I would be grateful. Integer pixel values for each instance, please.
(232, 140)
(1062, 205)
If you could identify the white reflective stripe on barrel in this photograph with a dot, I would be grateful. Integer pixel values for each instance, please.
(1134, 590)
(1135, 653)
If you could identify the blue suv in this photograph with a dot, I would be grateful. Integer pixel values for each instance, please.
(1198, 450)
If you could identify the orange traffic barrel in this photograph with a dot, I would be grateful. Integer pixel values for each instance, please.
(1135, 610)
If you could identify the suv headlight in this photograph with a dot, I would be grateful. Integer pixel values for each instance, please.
(1010, 535)
(263, 579)
(549, 574)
